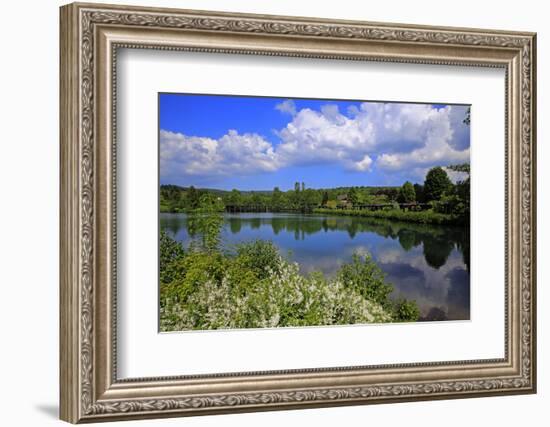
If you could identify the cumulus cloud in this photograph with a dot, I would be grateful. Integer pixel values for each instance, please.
(387, 136)
(440, 143)
(288, 106)
(201, 156)
(327, 136)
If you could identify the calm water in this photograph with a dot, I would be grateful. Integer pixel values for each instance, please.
(429, 264)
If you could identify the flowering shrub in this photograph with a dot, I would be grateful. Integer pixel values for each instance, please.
(256, 288)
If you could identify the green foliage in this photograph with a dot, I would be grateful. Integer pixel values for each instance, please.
(255, 287)
(436, 184)
(234, 198)
(278, 200)
(451, 204)
(460, 201)
(207, 221)
(193, 270)
(324, 201)
(419, 193)
(423, 217)
(299, 199)
(209, 203)
(260, 256)
(193, 198)
(306, 200)
(406, 311)
(365, 277)
(353, 196)
(406, 193)
(389, 193)
(170, 252)
(463, 167)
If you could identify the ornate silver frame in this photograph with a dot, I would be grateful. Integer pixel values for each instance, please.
(90, 36)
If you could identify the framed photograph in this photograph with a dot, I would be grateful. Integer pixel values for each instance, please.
(266, 212)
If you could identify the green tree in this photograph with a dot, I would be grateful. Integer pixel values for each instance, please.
(207, 221)
(310, 200)
(406, 193)
(296, 197)
(353, 196)
(277, 200)
(324, 201)
(170, 251)
(419, 193)
(461, 193)
(234, 198)
(257, 201)
(437, 183)
(192, 198)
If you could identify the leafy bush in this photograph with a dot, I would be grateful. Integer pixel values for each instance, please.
(255, 287)
(283, 298)
(406, 311)
(407, 193)
(259, 256)
(170, 251)
(450, 204)
(422, 217)
(365, 277)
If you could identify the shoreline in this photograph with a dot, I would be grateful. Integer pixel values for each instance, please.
(417, 217)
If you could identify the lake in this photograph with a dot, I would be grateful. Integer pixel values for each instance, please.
(426, 263)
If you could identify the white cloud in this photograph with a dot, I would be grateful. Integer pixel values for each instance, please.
(437, 131)
(314, 137)
(200, 156)
(387, 136)
(288, 106)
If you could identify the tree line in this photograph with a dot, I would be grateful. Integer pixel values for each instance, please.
(438, 190)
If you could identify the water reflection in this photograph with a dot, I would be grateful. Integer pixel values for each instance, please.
(429, 264)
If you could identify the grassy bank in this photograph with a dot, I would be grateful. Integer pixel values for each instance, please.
(422, 217)
(255, 287)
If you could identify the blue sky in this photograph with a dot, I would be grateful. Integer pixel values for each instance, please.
(256, 143)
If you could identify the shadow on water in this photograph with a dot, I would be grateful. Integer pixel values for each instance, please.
(427, 263)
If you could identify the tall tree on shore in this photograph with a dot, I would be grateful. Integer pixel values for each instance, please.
(324, 201)
(436, 184)
(406, 193)
(277, 199)
(419, 193)
(462, 188)
(353, 196)
(193, 198)
(235, 198)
